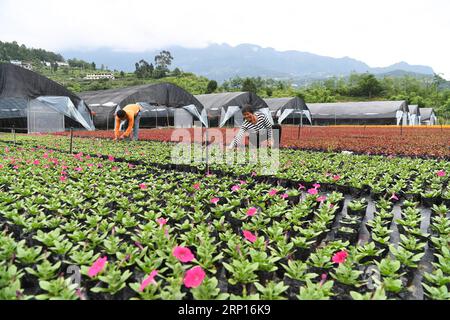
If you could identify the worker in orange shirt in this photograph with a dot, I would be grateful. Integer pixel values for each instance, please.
(132, 115)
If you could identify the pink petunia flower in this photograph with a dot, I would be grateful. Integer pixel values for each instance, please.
(36, 162)
(131, 166)
(251, 211)
(249, 236)
(143, 186)
(300, 186)
(273, 192)
(45, 156)
(253, 174)
(149, 280)
(313, 191)
(111, 158)
(394, 197)
(62, 178)
(97, 266)
(441, 173)
(90, 164)
(183, 254)
(242, 182)
(340, 257)
(235, 188)
(323, 278)
(194, 277)
(316, 186)
(16, 167)
(336, 177)
(196, 186)
(115, 168)
(321, 198)
(284, 196)
(214, 200)
(161, 221)
(99, 165)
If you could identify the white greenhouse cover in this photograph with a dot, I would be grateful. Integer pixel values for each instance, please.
(65, 106)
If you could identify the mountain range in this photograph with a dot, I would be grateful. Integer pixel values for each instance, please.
(222, 61)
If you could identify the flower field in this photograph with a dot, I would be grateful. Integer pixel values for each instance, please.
(385, 140)
(122, 221)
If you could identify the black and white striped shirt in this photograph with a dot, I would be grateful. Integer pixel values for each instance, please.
(262, 123)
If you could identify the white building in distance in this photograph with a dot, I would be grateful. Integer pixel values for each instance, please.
(23, 64)
(99, 76)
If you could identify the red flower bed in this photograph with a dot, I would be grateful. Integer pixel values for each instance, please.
(431, 142)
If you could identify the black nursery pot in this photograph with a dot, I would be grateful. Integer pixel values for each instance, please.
(264, 276)
(428, 202)
(301, 254)
(409, 274)
(371, 259)
(294, 200)
(294, 287)
(359, 213)
(346, 236)
(343, 291)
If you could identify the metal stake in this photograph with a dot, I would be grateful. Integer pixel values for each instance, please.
(71, 139)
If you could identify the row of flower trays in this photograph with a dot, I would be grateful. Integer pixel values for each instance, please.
(140, 232)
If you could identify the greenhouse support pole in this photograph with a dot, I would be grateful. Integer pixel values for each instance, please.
(13, 131)
(207, 150)
(300, 126)
(71, 139)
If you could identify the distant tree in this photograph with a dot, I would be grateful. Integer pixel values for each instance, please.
(122, 74)
(144, 70)
(212, 86)
(369, 85)
(249, 85)
(102, 67)
(176, 72)
(162, 62)
(93, 66)
(269, 91)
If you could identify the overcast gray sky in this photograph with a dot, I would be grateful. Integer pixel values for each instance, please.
(379, 32)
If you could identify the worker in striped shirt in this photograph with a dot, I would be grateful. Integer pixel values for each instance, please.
(132, 115)
(255, 122)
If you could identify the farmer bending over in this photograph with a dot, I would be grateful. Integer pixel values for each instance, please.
(132, 115)
(255, 122)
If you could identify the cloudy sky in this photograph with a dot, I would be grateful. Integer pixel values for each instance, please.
(379, 32)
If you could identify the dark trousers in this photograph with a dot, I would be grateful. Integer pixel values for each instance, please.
(262, 136)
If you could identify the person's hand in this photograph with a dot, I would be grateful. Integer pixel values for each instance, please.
(122, 137)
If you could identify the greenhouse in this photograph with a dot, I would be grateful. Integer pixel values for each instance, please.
(414, 115)
(427, 116)
(33, 103)
(223, 108)
(357, 113)
(288, 108)
(164, 104)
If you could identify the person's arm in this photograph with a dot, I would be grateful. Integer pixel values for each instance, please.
(268, 125)
(130, 126)
(239, 135)
(117, 128)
